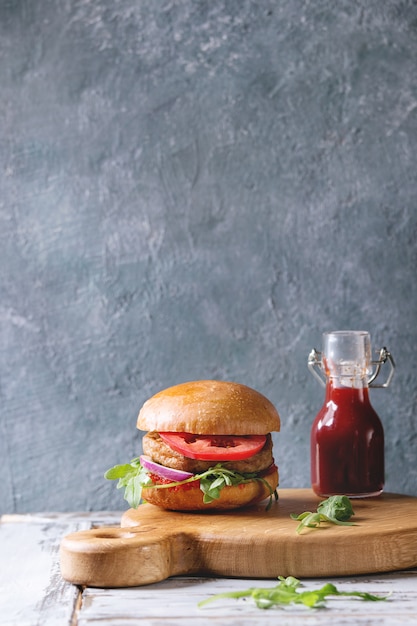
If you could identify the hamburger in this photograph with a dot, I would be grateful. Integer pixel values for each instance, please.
(208, 445)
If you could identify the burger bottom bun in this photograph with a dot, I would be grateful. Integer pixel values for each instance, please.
(190, 497)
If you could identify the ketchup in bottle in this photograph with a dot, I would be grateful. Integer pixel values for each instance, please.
(347, 437)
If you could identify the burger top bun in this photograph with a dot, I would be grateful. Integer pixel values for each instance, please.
(207, 407)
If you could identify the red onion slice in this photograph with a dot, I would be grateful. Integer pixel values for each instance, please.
(165, 472)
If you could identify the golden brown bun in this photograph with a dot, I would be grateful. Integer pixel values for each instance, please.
(233, 497)
(207, 407)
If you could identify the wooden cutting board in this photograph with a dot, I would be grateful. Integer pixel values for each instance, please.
(153, 544)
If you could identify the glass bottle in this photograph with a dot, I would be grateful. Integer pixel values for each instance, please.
(347, 436)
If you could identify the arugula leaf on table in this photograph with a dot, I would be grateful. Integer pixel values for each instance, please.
(335, 510)
(286, 592)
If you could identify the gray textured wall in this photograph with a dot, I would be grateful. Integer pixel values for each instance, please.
(197, 189)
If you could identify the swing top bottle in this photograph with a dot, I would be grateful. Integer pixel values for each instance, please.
(347, 436)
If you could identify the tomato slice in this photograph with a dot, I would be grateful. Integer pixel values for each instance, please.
(214, 447)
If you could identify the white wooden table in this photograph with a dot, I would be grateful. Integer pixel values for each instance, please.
(32, 592)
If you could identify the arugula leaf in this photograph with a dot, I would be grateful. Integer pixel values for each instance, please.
(118, 471)
(286, 592)
(133, 477)
(334, 510)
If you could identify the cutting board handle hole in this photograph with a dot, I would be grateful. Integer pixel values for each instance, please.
(113, 534)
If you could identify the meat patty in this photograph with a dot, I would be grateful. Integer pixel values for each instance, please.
(160, 452)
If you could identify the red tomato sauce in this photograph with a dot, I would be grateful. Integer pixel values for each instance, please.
(347, 445)
(158, 480)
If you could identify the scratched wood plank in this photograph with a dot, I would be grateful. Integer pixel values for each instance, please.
(32, 591)
(175, 600)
